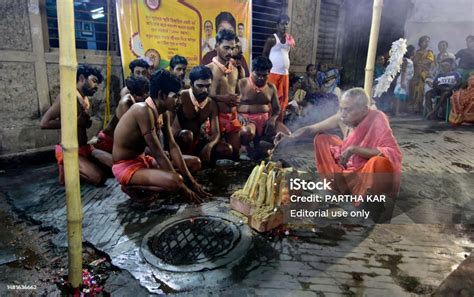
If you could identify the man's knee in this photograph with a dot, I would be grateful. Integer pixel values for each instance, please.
(90, 172)
(446, 94)
(194, 164)
(247, 135)
(381, 164)
(224, 150)
(321, 138)
(94, 177)
(186, 136)
(175, 182)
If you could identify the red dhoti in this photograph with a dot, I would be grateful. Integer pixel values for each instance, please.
(84, 151)
(105, 142)
(259, 120)
(125, 169)
(229, 123)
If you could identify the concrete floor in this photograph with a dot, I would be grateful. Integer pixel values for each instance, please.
(429, 237)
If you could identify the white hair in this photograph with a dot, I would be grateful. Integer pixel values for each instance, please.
(358, 95)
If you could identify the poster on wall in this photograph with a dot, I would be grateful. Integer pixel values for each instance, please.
(156, 30)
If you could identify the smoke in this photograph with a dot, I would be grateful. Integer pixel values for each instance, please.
(314, 113)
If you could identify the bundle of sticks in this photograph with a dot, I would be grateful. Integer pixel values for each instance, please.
(266, 188)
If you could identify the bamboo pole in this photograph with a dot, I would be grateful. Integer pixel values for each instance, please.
(67, 72)
(372, 51)
(109, 71)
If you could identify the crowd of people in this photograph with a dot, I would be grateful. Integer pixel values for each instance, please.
(167, 125)
(428, 83)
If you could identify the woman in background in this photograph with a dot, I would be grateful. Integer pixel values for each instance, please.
(423, 63)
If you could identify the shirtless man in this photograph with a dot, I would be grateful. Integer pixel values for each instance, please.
(178, 65)
(87, 82)
(257, 95)
(139, 90)
(138, 67)
(223, 89)
(195, 110)
(138, 128)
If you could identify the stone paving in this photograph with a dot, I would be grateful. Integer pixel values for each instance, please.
(411, 256)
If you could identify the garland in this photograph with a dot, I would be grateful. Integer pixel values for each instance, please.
(398, 50)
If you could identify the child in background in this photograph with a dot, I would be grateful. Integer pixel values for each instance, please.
(403, 81)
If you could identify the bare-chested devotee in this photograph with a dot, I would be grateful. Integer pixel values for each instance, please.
(138, 67)
(139, 128)
(257, 96)
(139, 87)
(195, 110)
(178, 65)
(87, 82)
(223, 89)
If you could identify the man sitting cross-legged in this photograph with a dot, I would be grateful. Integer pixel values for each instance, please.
(90, 159)
(260, 121)
(367, 160)
(196, 109)
(139, 89)
(139, 128)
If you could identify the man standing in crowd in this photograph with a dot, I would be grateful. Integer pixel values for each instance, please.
(277, 49)
(466, 59)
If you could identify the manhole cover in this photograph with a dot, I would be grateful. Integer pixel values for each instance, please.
(195, 240)
(194, 243)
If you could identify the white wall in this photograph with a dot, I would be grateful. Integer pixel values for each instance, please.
(450, 20)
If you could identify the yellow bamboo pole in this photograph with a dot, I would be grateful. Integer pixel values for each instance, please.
(67, 73)
(372, 51)
(109, 71)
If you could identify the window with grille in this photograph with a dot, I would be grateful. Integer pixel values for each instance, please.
(328, 34)
(90, 24)
(265, 15)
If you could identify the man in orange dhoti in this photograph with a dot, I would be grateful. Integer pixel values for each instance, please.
(368, 161)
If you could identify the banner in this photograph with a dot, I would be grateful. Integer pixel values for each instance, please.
(156, 30)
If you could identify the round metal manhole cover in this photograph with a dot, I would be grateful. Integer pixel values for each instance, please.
(194, 243)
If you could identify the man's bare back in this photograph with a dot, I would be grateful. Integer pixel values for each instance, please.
(129, 142)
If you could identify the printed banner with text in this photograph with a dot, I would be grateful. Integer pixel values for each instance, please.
(156, 30)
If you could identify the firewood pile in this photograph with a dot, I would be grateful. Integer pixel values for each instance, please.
(265, 191)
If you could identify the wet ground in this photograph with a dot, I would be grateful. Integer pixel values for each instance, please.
(430, 235)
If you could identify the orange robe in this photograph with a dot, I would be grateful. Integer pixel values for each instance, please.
(377, 175)
(462, 103)
(282, 83)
